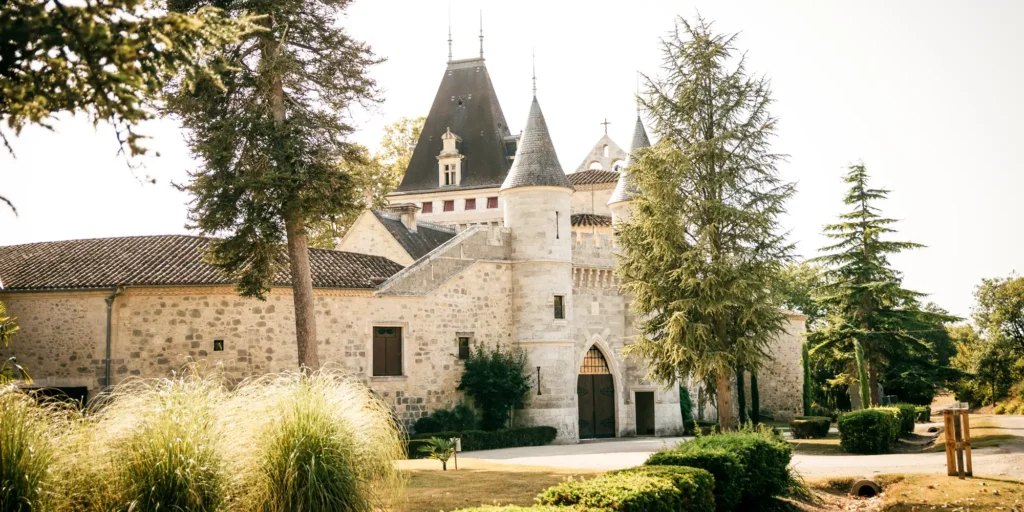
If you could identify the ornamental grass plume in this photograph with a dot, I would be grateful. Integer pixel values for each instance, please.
(319, 441)
(28, 433)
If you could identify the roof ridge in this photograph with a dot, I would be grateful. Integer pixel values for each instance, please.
(123, 237)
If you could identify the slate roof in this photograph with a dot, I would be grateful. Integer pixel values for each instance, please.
(590, 219)
(163, 260)
(536, 163)
(640, 139)
(625, 190)
(593, 177)
(428, 236)
(466, 103)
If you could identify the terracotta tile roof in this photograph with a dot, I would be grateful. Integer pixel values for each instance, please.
(590, 219)
(164, 260)
(593, 177)
(426, 238)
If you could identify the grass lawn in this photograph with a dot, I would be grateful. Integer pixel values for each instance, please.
(478, 483)
(984, 434)
(906, 493)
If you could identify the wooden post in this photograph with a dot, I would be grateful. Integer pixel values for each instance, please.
(947, 418)
(966, 423)
(958, 436)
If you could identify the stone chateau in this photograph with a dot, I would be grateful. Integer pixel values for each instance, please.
(487, 241)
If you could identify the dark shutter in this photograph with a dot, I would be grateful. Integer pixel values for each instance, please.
(378, 353)
(559, 307)
(393, 353)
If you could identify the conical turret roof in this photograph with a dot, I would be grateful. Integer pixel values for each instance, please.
(535, 164)
(625, 190)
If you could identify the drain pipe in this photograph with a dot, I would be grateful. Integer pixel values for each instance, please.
(118, 290)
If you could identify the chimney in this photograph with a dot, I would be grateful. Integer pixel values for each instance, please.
(407, 213)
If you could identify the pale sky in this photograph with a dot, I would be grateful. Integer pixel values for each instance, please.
(926, 94)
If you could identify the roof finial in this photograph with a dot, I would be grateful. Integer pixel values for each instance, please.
(534, 73)
(481, 33)
(606, 123)
(449, 30)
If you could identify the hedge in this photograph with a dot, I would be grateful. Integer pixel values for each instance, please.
(642, 489)
(724, 466)
(908, 412)
(482, 440)
(810, 427)
(763, 457)
(869, 430)
(923, 414)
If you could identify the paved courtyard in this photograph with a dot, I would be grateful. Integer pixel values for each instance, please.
(622, 453)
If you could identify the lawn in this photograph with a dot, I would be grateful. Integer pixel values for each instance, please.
(906, 493)
(985, 433)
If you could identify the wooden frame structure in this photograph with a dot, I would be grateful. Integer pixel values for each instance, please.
(958, 441)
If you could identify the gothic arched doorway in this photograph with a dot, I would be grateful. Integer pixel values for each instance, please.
(595, 391)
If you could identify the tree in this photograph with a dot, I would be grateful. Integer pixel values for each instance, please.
(269, 144)
(497, 381)
(797, 287)
(866, 305)
(1000, 310)
(702, 247)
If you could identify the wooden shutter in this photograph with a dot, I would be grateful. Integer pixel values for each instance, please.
(378, 353)
(393, 353)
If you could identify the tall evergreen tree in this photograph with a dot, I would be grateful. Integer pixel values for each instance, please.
(269, 143)
(702, 246)
(869, 311)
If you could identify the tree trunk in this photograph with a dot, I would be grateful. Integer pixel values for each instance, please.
(873, 381)
(755, 400)
(723, 387)
(862, 376)
(302, 290)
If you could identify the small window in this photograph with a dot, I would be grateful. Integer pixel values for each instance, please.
(605, 150)
(463, 347)
(449, 206)
(428, 207)
(559, 307)
(387, 351)
(218, 345)
(492, 202)
(471, 204)
(447, 167)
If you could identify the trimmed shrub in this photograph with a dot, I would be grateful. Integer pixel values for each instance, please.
(459, 418)
(473, 440)
(810, 427)
(649, 488)
(427, 425)
(706, 428)
(724, 466)
(907, 414)
(923, 414)
(763, 455)
(869, 430)
(26, 452)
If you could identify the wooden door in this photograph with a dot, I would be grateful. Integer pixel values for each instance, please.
(644, 402)
(604, 406)
(595, 393)
(585, 394)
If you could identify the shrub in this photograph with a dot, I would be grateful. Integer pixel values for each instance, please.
(704, 427)
(459, 418)
(497, 381)
(819, 410)
(923, 414)
(869, 430)
(440, 449)
(26, 451)
(514, 508)
(810, 427)
(907, 414)
(1000, 409)
(653, 488)
(763, 455)
(724, 466)
(473, 440)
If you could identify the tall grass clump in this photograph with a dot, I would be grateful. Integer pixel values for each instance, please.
(150, 445)
(314, 442)
(27, 434)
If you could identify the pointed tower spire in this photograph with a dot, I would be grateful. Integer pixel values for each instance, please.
(449, 31)
(640, 139)
(536, 163)
(625, 190)
(534, 54)
(481, 33)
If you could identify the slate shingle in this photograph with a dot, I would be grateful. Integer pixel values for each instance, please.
(428, 236)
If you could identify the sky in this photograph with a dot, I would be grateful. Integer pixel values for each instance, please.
(925, 94)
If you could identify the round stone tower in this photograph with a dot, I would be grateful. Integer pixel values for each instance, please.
(620, 203)
(537, 198)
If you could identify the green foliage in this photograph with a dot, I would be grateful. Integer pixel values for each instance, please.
(741, 395)
(805, 360)
(762, 453)
(9, 326)
(108, 59)
(515, 508)
(685, 405)
(703, 238)
(459, 418)
(724, 466)
(869, 431)
(923, 414)
(863, 382)
(26, 452)
(473, 440)
(796, 288)
(810, 427)
(755, 400)
(440, 449)
(986, 366)
(1000, 311)
(497, 381)
(647, 488)
(908, 414)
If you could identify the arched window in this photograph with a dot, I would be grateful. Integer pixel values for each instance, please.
(595, 166)
(594, 363)
(605, 149)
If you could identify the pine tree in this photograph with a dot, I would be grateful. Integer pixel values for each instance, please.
(703, 240)
(870, 314)
(805, 360)
(269, 143)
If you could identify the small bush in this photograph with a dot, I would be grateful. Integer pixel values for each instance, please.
(473, 440)
(763, 455)
(653, 489)
(819, 410)
(810, 427)
(26, 451)
(704, 427)
(724, 466)
(1000, 409)
(498, 381)
(459, 418)
(923, 414)
(908, 412)
(869, 430)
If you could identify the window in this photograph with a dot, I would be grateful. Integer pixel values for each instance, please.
(605, 150)
(218, 345)
(449, 206)
(470, 204)
(492, 202)
(428, 207)
(449, 174)
(559, 307)
(387, 351)
(463, 347)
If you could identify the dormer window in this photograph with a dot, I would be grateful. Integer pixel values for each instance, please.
(449, 175)
(449, 161)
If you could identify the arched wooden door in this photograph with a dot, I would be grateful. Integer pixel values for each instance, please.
(595, 391)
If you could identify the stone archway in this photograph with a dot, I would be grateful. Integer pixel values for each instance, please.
(595, 392)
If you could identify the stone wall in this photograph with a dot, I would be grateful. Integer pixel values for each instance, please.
(368, 236)
(593, 199)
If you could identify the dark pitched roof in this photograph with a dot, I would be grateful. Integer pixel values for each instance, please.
(164, 260)
(590, 219)
(428, 236)
(536, 163)
(466, 103)
(593, 177)
(625, 190)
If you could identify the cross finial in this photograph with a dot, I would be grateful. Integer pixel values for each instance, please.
(534, 73)
(481, 33)
(449, 31)
(606, 123)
